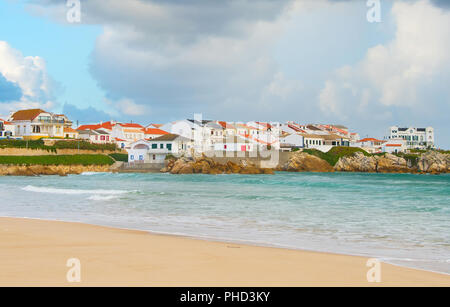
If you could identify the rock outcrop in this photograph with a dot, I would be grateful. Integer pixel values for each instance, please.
(61, 170)
(206, 165)
(357, 162)
(434, 162)
(429, 162)
(304, 162)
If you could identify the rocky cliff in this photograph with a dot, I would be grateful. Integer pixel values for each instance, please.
(429, 162)
(434, 162)
(206, 165)
(304, 162)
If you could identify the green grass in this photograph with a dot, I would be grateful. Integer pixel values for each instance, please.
(84, 145)
(333, 155)
(39, 144)
(119, 157)
(57, 160)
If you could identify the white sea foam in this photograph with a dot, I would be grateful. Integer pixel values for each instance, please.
(93, 173)
(31, 188)
(102, 197)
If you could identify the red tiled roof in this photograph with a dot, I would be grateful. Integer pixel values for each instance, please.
(106, 125)
(369, 140)
(154, 131)
(393, 145)
(131, 125)
(119, 140)
(70, 130)
(5, 122)
(27, 114)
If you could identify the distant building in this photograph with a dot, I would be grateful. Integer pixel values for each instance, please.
(6, 129)
(394, 146)
(156, 150)
(371, 145)
(416, 138)
(37, 123)
(95, 136)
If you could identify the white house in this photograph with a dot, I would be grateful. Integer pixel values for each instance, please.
(95, 136)
(291, 141)
(36, 123)
(70, 133)
(395, 146)
(156, 150)
(235, 144)
(416, 138)
(139, 152)
(7, 129)
(371, 145)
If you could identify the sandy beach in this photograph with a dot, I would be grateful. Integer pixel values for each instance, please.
(35, 253)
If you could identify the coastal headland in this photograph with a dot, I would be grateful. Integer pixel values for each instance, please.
(37, 253)
(338, 159)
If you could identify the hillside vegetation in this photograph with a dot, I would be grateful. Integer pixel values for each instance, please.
(57, 160)
(39, 144)
(333, 155)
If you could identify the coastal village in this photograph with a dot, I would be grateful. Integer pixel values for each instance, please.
(153, 142)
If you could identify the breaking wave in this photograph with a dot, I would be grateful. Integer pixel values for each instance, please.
(31, 188)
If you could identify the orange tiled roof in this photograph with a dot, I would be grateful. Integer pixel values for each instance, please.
(131, 125)
(70, 130)
(155, 131)
(369, 140)
(27, 114)
(106, 125)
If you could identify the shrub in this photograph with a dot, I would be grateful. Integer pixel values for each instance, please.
(333, 155)
(84, 145)
(57, 160)
(31, 144)
(119, 157)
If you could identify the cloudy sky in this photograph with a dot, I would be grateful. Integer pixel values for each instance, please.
(308, 61)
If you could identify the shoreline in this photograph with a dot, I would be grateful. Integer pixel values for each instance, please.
(228, 241)
(192, 265)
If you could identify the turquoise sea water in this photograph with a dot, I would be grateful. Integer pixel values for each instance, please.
(399, 218)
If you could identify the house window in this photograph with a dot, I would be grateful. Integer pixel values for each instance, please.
(169, 147)
(154, 146)
(132, 157)
(107, 137)
(154, 157)
(102, 138)
(161, 146)
(122, 145)
(141, 157)
(224, 146)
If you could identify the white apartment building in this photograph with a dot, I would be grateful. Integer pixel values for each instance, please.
(416, 138)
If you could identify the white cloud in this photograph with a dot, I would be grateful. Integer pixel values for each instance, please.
(127, 106)
(399, 73)
(30, 74)
(187, 55)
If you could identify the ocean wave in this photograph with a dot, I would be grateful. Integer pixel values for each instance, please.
(102, 197)
(93, 173)
(30, 188)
